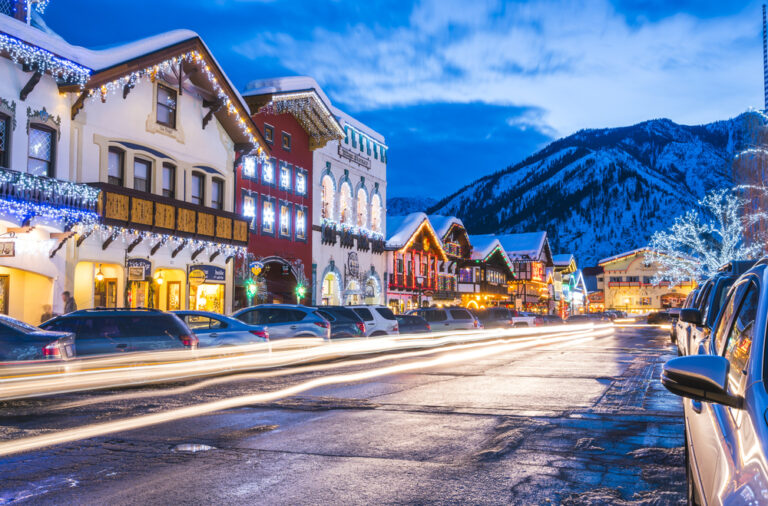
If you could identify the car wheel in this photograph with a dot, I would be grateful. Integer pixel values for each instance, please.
(378, 334)
(521, 324)
(690, 486)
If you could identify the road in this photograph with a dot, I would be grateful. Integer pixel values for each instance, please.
(587, 423)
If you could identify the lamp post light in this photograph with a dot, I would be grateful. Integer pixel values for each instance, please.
(420, 281)
(626, 303)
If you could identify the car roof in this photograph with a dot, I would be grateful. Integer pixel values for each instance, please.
(209, 314)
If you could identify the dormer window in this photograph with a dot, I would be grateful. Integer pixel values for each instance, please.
(166, 106)
(41, 151)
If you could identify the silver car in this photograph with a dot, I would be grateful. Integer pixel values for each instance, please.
(213, 329)
(284, 321)
(379, 320)
(449, 318)
(726, 402)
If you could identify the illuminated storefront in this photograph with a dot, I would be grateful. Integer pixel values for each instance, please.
(206, 288)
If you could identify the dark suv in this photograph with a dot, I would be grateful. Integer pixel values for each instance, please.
(344, 322)
(701, 317)
(106, 331)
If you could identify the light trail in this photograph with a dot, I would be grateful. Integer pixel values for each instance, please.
(95, 430)
(107, 372)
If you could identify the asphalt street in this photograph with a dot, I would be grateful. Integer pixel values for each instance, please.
(579, 424)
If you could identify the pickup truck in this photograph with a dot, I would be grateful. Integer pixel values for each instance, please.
(521, 319)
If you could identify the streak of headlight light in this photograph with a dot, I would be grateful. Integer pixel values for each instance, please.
(101, 429)
(289, 371)
(139, 374)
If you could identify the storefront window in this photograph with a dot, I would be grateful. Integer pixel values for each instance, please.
(207, 297)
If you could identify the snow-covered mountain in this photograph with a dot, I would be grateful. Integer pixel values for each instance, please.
(600, 192)
(400, 206)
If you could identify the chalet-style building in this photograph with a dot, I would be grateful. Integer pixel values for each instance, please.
(531, 257)
(457, 248)
(490, 274)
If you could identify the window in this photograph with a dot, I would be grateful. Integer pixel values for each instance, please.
(362, 208)
(354, 139)
(249, 167)
(268, 172)
(269, 133)
(460, 314)
(142, 175)
(383, 155)
(739, 342)
(285, 176)
(615, 279)
(364, 313)
(368, 146)
(115, 166)
(301, 182)
(434, 315)
(268, 216)
(345, 204)
(166, 106)
(327, 191)
(465, 275)
(5, 140)
(647, 280)
(285, 219)
(197, 191)
(286, 141)
(363, 142)
(249, 209)
(721, 333)
(217, 194)
(169, 180)
(376, 151)
(633, 279)
(346, 135)
(301, 223)
(41, 151)
(376, 213)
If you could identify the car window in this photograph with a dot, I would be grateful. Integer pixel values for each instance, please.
(62, 325)
(298, 315)
(325, 314)
(725, 316)
(257, 316)
(739, 342)
(19, 325)
(199, 322)
(99, 328)
(704, 297)
(386, 313)
(718, 294)
(434, 316)
(460, 314)
(363, 313)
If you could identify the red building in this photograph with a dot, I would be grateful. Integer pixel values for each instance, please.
(276, 195)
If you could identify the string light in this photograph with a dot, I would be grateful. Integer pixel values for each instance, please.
(166, 67)
(44, 61)
(53, 189)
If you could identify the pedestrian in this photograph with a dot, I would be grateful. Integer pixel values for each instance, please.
(69, 302)
(47, 313)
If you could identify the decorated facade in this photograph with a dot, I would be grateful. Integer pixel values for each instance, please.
(487, 279)
(276, 193)
(627, 284)
(458, 249)
(118, 180)
(531, 257)
(414, 252)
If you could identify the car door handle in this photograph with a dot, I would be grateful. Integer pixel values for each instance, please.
(121, 346)
(294, 326)
(372, 324)
(214, 335)
(696, 405)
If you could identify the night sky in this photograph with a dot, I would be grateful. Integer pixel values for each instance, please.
(465, 88)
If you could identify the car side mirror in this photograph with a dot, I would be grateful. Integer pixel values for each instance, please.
(700, 377)
(691, 316)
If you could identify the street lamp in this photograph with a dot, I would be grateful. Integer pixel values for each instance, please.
(626, 303)
(420, 281)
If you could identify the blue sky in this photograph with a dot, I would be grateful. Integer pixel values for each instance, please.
(461, 89)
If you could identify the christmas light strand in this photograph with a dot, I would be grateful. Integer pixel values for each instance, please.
(26, 210)
(50, 188)
(44, 61)
(168, 66)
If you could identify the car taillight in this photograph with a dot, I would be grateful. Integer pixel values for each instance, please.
(323, 324)
(261, 333)
(189, 340)
(429, 327)
(477, 324)
(396, 328)
(51, 350)
(361, 326)
(538, 321)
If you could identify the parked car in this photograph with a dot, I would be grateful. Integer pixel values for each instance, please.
(522, 319)
(725, 399)
(680, 327)
(552, 319)
(345, 323)
(213, 329)
(587, 318)
(20, 341)
(107, 331)
(283, 321)
(412, 324)
(496, 317)
(450, 318)
(701, 318)
(660, 318)
(379, 320)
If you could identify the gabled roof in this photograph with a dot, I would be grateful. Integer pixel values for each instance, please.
(562, 260)
(526, 246)
(483, 246)
(302, 97)
(443, 224)
(400, 230)
(110, 70)
(621, 256)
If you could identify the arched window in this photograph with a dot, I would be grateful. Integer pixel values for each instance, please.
(326, 210)
(376, 213)
(362, 208)
(345, 203)
(42, 151)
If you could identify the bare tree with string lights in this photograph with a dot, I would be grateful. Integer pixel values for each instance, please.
(703, 239)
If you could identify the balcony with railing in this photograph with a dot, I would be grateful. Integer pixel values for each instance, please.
(412, 282)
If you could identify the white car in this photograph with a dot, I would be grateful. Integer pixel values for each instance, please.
(379, 320)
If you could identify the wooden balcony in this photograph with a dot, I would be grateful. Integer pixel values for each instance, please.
(146, 211)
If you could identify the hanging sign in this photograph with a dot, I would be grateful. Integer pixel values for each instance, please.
(199, 274)
(138, 268)
(7, 249)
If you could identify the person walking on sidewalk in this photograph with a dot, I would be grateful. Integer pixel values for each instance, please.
(69, 302)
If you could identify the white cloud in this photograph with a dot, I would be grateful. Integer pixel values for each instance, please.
(581, 62)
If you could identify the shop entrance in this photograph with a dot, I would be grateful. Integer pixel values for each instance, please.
(168, 289)
(206, 288)
(329, 294)
(98, 285)
(25, 295)
(281, 283)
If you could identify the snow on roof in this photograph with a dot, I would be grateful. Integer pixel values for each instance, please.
(402, 228)
(96, 60)
(442, 224)
(563, 259)
(483, 245)
(520, 245)
(621, 255)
